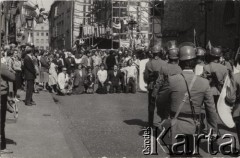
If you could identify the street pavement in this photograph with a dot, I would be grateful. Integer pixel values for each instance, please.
(88, 125)
(36, 133)
(111, 125)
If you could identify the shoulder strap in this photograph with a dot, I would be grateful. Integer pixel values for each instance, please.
(185, 96)
(190, 99)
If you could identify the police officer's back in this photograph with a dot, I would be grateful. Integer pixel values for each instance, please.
(215, 72)
(200, 92)
(200, 61)
(172, 66)
(154, 67)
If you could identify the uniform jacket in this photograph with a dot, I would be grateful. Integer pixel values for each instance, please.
(29, 68)
(233, 94)
(221, 73)
(154, 65)
(172, 94)
(173, 69)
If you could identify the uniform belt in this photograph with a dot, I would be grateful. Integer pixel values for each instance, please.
(197, 116)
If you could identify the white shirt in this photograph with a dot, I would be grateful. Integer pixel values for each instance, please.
(62, 80)
(102, 75)
(131, 71)
(78, 61)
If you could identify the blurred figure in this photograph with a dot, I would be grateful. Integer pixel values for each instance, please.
(44, 75)
(114, 79)
(110, 61)
(6, 76)
(62, 82)
(102, 80)
(78, 80)
(131, 73)
(17, 67)
(30, 76)
(89, 81)
(70, 63)
(53, 75)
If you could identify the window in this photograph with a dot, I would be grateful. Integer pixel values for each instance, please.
(37, 41)
(42, 47)
(31, 34)
(46, 40)
(42, 34)
(42, 28)
(42, 41)
(47, 47)
(46, 34)
(37, 47)
(37, 33)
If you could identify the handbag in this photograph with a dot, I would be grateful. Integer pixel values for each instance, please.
(170, 122)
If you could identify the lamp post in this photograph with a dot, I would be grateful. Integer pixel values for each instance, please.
(29, 21)
(205, 7)
(132, 24)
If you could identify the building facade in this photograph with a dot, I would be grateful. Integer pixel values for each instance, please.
(41, 36)
(101, 20)
(65, 20)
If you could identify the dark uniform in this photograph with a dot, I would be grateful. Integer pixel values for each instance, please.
(172, 69)
(153, 68)
(221, 73)
(173, 94)
(200, 61)
(215, 73)
(233, 98)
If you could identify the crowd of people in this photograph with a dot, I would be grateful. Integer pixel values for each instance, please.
(117, 71)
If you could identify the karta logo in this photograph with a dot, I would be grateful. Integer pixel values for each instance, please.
(180, 143)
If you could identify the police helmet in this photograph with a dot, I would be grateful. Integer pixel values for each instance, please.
(216, 52)
(200, 51)
(187, 51)
(173, 53)
(156, 49)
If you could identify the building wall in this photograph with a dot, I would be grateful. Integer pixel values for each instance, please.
(181, 17)
(41, 36)
(60, 24)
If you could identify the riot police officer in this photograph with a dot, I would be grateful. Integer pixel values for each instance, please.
(185, 94)
(153, 68)
(172, 66)
(215, 72)
(200, 60)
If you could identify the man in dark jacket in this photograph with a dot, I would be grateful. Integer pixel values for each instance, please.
(70, 63)
(115, 77)
(30, 75)
(110, 61)
(6, 76)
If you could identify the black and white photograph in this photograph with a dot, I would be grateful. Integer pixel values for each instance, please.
(119, 78)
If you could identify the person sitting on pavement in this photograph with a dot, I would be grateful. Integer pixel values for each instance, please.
(78, 80)
(130, 73)
(114, 79)
(89, 81)
(63, 82)
(102, 80)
